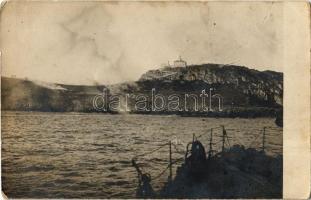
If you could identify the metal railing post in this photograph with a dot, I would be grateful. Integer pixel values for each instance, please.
(263, 139)
(170, 164)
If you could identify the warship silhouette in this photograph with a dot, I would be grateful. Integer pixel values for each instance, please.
(233, 172)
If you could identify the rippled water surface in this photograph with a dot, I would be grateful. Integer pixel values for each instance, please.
(72, 155)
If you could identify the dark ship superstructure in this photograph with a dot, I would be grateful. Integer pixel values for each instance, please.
(232, 172)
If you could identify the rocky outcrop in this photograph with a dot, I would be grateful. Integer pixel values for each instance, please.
(241, 92)
(266, 85)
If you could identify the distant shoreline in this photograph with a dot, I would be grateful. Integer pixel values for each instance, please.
(194, 91)
(232, 113)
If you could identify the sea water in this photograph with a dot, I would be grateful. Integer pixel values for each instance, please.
(77, 155)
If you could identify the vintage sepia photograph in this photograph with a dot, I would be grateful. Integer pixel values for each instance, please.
(142, 99)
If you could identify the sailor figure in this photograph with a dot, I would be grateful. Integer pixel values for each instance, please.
(144, 189)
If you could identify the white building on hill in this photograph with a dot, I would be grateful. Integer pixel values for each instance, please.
(180, 63)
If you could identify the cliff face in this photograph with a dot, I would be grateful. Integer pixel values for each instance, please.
(266, 85)
(239, 89)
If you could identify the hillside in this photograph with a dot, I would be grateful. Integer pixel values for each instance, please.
(264, 86)
(26, 95)
(240, 88)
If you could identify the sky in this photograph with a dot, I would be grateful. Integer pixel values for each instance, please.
(108, 42)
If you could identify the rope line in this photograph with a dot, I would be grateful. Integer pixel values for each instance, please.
(175, 146)
(160, 174)
(152, 151)
(216, 133)
(214, 128)
(255, 138)
(163, 171)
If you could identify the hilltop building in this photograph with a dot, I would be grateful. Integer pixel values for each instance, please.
(180, 63)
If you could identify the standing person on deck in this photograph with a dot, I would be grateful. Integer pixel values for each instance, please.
(144, 189)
